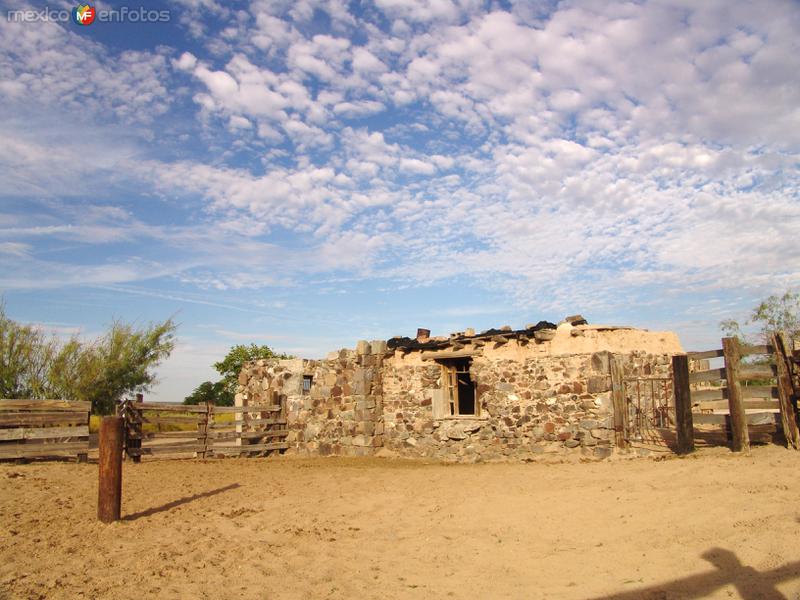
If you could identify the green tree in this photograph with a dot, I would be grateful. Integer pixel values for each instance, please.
(222, 392)
(25, 355)
(775, 313)
(213, 392)
(100, 371)
(121, 362)
(230, 366)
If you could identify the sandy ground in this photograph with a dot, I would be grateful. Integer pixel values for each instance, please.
(714, 525)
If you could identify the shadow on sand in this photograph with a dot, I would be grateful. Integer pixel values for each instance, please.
(178, 502)
(749, 583)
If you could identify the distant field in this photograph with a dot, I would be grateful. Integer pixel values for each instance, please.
(94, 422)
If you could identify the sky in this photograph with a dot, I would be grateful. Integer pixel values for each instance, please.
(308, 173)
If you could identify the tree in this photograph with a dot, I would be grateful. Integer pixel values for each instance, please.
(775, 313)
(230, 366)
(221, 393)
(101, 371)
(122, 361)
(213, 392)
(25, 354)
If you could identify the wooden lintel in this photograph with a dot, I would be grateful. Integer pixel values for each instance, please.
(433, 355)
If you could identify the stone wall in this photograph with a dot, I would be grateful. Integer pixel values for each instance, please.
(341, 413)
(550, 398)
(542, 405)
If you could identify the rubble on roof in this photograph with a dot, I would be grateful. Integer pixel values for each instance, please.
(499, 336)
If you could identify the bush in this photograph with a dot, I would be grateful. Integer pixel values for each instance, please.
(101, 371)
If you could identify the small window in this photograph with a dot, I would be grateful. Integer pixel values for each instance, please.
(307, 381)
(458, 389)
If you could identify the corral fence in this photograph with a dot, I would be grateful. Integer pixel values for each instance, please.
(742, 400)
(751, 397)
(161, 430)
(44, 429)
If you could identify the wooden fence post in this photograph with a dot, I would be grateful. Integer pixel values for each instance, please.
(109, 498)
(135, 425)
(618, 402)
(683, 403)
(740, 437)
(204, 429)
(83, 457)
(785, 390)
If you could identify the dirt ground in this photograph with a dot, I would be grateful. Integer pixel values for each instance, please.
(714, 525)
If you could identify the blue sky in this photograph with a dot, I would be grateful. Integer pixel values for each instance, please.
(306, 174)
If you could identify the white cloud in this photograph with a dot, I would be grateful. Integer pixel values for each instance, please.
(186, 62)
(585, 151)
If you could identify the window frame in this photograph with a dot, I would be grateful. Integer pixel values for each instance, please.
(448, 391)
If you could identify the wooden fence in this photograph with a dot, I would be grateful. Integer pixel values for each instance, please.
(203, 431)
(44, 428)
(751, 408)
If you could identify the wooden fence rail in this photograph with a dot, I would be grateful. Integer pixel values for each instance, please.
(44, 428)
(203, 431)
(734, 396)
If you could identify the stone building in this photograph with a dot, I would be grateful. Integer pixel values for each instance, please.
(502, 393)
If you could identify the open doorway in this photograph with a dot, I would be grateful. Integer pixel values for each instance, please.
(458, 387)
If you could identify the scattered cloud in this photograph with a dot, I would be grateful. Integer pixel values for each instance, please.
(560, 155)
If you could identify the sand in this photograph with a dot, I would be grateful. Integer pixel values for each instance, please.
(714, 525)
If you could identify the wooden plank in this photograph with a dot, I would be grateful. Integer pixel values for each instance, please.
(618, 401)
(758, 372)
(246, 409)
(251, 448)
(752, 419)
(748, 405)
(173, 443)
(17, 433)
(67, 405)
(748, 392)
(43, 433)
(163, 406)
(42, 418)
(740, 440)
(171, 449)
(230, 424)
(157, 435)
(40, 450)
(785, 391)
(709, 395)
(226, 435)
(433, 355)
(159, 419)
(683, 404)
(759, 391)
(704, 354)
(711, 375)
(750, 349)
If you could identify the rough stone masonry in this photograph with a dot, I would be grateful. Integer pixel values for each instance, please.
(501, 394)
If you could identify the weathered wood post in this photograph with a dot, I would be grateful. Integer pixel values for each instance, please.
(683, 403)
(135, 442)
(618, 402)
(740, 437)
(782, 349)
(203, 429)
(109, 499)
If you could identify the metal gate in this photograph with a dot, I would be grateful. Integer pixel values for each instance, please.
(650, 410)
